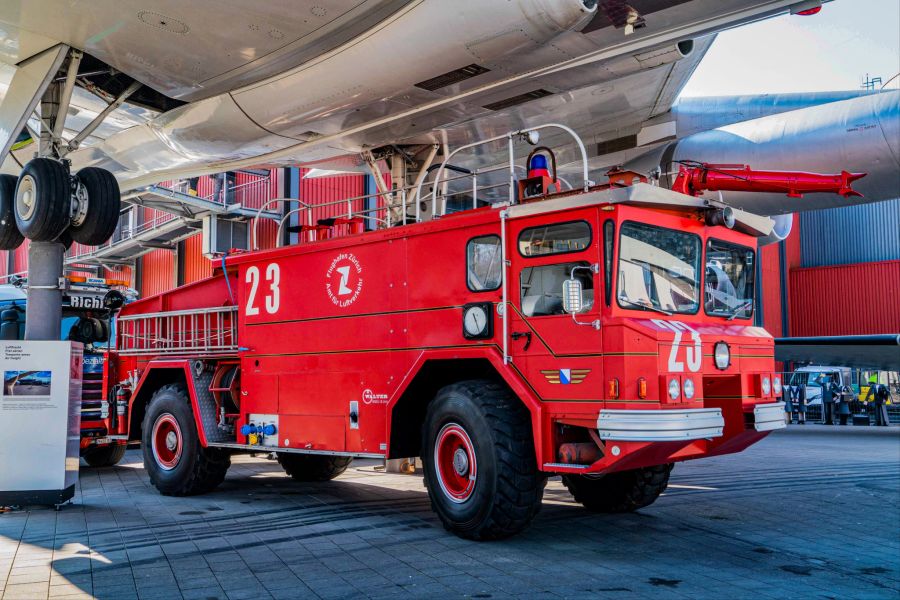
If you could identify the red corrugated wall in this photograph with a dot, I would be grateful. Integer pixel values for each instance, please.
(770, 265)
(322, 190)
(854, 299)
(196, 266)
(157, 272)
(21, 260)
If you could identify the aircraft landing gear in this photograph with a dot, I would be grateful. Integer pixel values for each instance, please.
(48, 201)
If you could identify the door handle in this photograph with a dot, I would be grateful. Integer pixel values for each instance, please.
(517, 335)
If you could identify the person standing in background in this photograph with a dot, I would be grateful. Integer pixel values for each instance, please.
(801, 404)
(788, 399)
(880, 397)
(843, 403)
(828, 391)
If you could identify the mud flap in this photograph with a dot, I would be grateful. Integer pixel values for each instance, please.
(206, 407)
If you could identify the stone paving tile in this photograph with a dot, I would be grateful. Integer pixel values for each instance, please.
(797, 516)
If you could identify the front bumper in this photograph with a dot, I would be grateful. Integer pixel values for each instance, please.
(661, 425)
(769, 417)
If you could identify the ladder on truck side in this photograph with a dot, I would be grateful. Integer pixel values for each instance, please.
(195, 332)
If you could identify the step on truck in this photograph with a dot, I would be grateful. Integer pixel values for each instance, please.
(601, 333)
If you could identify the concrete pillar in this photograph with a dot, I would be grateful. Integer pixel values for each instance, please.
(45, 267)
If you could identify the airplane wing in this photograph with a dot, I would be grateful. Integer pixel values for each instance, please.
(225, 87)
(880, 352)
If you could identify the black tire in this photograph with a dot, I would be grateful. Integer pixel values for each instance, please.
(104, 456)
(10, 236)
(625, 491)
(43, 199)
(313, 467)
(195, 469)
(104, 204)
(485, 422)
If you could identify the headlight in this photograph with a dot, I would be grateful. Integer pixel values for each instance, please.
(674, 389)
(766, 386)
(776, 385)
(722, 355)
(688, 388)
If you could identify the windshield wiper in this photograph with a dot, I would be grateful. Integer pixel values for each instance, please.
(738, 310)
(647, 307)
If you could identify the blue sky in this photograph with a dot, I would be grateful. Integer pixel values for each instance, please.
(832, 50)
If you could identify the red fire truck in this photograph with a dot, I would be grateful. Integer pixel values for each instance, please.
(602, 333)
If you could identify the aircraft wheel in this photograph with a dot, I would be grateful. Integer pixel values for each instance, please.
(97, 222)
(43, 199)
(312, 467)
(480, 466)
(625, 491)
(10, 236)
(173, 457)
(104, 456)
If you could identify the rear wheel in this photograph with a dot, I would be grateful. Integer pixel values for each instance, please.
(313, 467)
(10, 236)
(104, 456)
(173, 457)
(480, 467)
(97, 223)
(625, 491)
(43, 200)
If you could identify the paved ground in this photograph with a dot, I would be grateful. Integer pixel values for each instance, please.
(809, 513)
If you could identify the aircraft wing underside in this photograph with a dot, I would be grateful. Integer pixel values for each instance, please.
(221, 87)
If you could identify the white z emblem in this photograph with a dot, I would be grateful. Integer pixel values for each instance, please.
(693, 354)
(343, 290)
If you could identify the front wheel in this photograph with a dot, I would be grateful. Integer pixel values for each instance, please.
(480, 466)
(624, 491)
(173, 457)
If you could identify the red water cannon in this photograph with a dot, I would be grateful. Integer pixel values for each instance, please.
(694, 179)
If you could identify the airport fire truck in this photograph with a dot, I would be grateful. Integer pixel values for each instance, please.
(602, 333)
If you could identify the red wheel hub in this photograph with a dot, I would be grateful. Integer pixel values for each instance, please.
(167, 441)
(454, 459)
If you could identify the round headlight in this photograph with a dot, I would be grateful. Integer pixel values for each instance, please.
(722, 355)
(776, 385)
(688, 388)
(766, 386)
(674, 389)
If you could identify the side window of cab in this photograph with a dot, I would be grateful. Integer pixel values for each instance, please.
(483, 263)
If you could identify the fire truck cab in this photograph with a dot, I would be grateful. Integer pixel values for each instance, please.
(603, 333)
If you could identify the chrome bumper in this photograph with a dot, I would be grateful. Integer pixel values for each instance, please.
(768, 417)
(660, 425)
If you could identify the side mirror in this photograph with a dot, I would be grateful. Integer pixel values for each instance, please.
(572, 296)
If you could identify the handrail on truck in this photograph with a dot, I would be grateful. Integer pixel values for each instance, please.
(510, 137)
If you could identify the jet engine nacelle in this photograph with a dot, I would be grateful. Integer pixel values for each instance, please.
(857, 135)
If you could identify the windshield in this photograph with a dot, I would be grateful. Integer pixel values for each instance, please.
(729, 280)
(658, 269)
